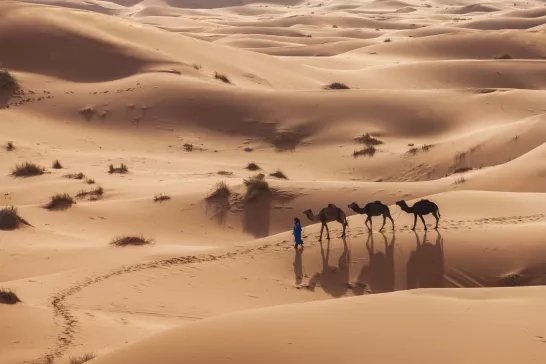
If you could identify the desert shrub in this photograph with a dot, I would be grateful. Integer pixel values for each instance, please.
(248, 149)
(224, 173)
(130, 240)
(10, 146)
(221, 77)
(57, 165)
(197, 66)
(388, 40)
(459, 180)
(8, 81)
(27, 169)
(278, 174)
(252, 167)
(336, 86)
(426, 147)
(90, 181)
(78, 175)
(255, 187)
(10, 219)
(285, 140)
(188, 147)
(121, 169)
(161, 197)
(368, 151)
(92, 195)
(8, 297)
(503, 56)
(413, 151)
(368, 139)
(220, 190)
(81, 359)
(60, 202)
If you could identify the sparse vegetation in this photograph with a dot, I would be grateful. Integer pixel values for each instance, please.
(221, 77)
(90, 181)
(93, 195)
(459, 180)
(426, 147)
(197, 66)
(60, 202)
(161, 197)
(81, 359)
(285, 140)
(10, 146)
(57, 165)
(121, 169)
(368, 151)
(368, 139)
(255, 187)
(413, 151)
(79, 176)
(27, 169)
(8, 81)
(252, 167)
(337, 86)
(220, 190)
(10, 219)
(248, 149)
(388, 40)
(503, 56)
(462, 170)
(278, 174)
(8, 297)
(224, 173)
(188, 147)
(131, 240)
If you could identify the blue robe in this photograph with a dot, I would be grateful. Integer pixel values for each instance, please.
(297, 234)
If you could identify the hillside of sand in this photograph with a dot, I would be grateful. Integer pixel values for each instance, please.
(334, 102)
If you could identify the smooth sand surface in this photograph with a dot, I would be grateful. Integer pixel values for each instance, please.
(187, 93)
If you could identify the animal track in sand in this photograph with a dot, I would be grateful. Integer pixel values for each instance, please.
(68, 322)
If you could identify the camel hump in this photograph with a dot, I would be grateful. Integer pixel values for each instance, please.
(378, 202)
(331, 205)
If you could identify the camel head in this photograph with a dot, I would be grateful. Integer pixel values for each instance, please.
(309, 214)
(353, 205)
(401, 203)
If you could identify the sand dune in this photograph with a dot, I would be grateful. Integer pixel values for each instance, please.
(186, 94)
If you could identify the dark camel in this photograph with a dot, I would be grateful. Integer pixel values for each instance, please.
(328, 214)
(373, 209)
(420, 208)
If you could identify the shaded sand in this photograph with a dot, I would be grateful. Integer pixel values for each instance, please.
(187, 93)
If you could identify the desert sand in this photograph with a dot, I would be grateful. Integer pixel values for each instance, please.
(187, 93)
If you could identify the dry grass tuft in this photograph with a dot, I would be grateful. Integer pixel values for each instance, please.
(10, 219)
(60, 202)
(27, 169)
(10, 146)
(368, 151)
(248, 149)
(188, 147)
(426, 147)
(459, 180)
(57, 165)
(220, 190)
(93, 195)
(121, 169)
(90, 181)
(256, 186)
(131, 240)
(161, 197)
(252, 167)
(79, 176)
(413, 151)
(224, 173)
(81, 359)
(278, 174)
(8, 297)
(222, 77)
(368, 140)
(197, 66)
(336, 86)
(8, 81)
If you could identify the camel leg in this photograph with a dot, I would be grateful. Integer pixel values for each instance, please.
(321, 230)
(344, 226)
(382, 226)
(370, 220)
(423, 220)
(327, 231)
(414, 221)
(435, 214)
(390, 217)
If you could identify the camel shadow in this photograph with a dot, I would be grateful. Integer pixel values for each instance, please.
(298, 266)
(333, 280)
(425, 268)
(378, 275)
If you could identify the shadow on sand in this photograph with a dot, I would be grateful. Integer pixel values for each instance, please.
(333, 280)
(425, 268)
(378, 275)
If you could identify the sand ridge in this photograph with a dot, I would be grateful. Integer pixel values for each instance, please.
(187, 93)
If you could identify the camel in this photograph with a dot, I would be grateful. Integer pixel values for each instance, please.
(326, 215)
(422, 207)
(373, 209)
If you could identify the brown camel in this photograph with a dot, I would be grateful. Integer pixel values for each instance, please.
(422, 207)
(373, 209)
(326, 215)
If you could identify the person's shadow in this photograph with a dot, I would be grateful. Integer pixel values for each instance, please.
(333, 280)
(298, 266)
(378, 275)
(425, 267)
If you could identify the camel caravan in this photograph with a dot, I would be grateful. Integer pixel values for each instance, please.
(334, 213)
